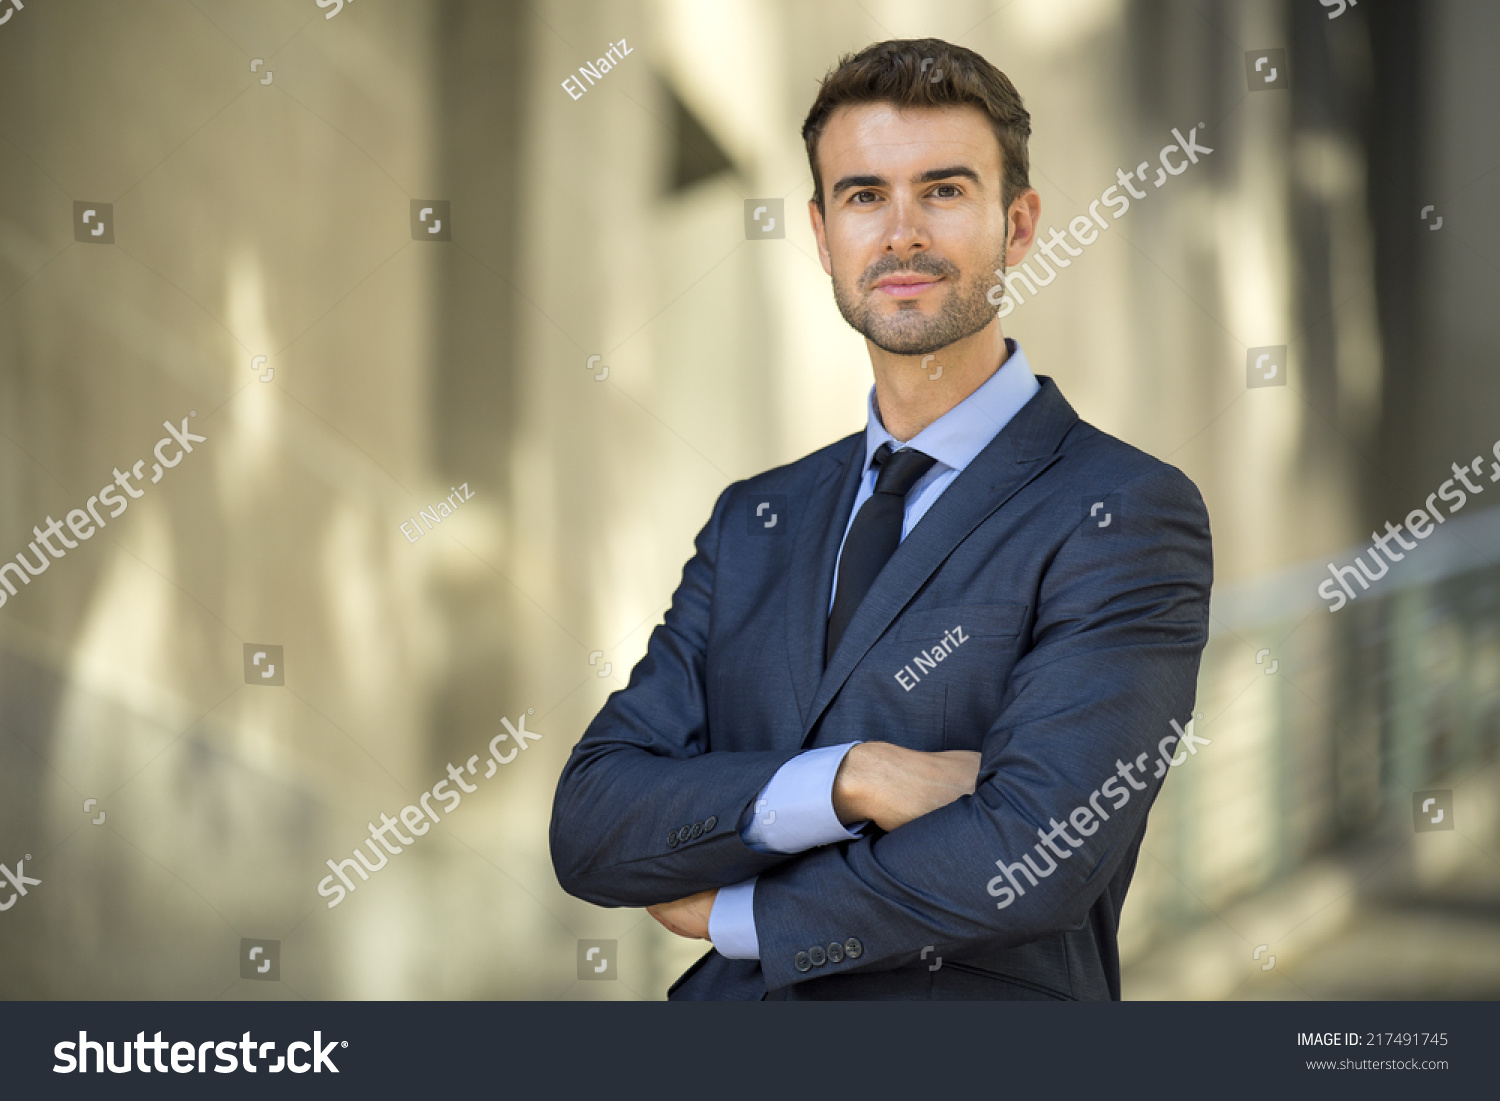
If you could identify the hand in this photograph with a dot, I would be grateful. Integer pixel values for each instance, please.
(891, 786)
(687, 917)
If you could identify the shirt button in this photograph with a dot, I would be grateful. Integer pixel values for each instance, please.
(697, 830)
(817, 956)
(835, 952)
(801, 962)
(853, 949)
(671, 839)
(710, 822)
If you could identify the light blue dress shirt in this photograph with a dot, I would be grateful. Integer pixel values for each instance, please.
(794, 812)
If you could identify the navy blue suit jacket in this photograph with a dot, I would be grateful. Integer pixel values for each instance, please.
(1081, 647)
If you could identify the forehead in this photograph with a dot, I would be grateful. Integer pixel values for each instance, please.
(881, 138)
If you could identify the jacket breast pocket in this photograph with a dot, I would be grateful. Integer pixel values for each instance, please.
(972, 647)
(964, 620)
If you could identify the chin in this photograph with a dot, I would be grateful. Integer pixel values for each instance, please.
(899, 348)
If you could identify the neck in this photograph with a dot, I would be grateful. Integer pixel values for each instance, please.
(908, 398)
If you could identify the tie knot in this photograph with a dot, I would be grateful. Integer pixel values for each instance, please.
(900, 470)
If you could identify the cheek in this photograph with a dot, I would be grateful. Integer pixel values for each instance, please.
(971, 239)
(847, 265)
(855, 242)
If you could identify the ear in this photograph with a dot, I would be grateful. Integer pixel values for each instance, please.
(820, 234)
(1021, 225)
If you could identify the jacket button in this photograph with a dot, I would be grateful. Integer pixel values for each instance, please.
(817, 956)
(801, 962)
(697, 830)
(835, 952)
(853, 949)
(710, 822)
(671, 839)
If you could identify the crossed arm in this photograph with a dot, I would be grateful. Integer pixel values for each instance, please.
(643, 767)
(878, 782)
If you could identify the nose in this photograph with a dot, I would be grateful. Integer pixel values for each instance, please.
(907, 232)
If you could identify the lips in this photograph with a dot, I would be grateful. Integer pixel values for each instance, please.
(906, 285)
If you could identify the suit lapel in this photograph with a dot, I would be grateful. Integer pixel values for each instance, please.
(810, 585)
(1019, 452)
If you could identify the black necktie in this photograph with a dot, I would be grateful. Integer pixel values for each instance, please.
(874, 535)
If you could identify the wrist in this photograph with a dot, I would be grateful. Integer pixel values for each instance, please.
(851, 790)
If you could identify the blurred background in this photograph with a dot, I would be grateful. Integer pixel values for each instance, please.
(594, 346)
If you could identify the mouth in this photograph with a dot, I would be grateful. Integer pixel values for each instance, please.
(906, 285)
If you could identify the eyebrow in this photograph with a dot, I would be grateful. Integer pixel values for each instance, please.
(932, 175)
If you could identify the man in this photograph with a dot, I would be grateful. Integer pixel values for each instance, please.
(940, 647)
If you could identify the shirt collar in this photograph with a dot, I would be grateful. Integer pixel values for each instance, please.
(965, 430)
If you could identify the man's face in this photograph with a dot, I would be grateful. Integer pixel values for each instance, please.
(913, 229)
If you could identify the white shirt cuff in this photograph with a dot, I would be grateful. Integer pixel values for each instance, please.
(731, 922)
(794, 812)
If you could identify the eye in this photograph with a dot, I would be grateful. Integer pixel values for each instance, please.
(946, 191)
(863, 197)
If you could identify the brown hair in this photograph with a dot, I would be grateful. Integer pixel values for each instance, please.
(893, 72)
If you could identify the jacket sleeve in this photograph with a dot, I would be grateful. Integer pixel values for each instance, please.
(644, 812)
(1087, 716)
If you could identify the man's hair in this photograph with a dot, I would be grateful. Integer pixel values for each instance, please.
(893, 72)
